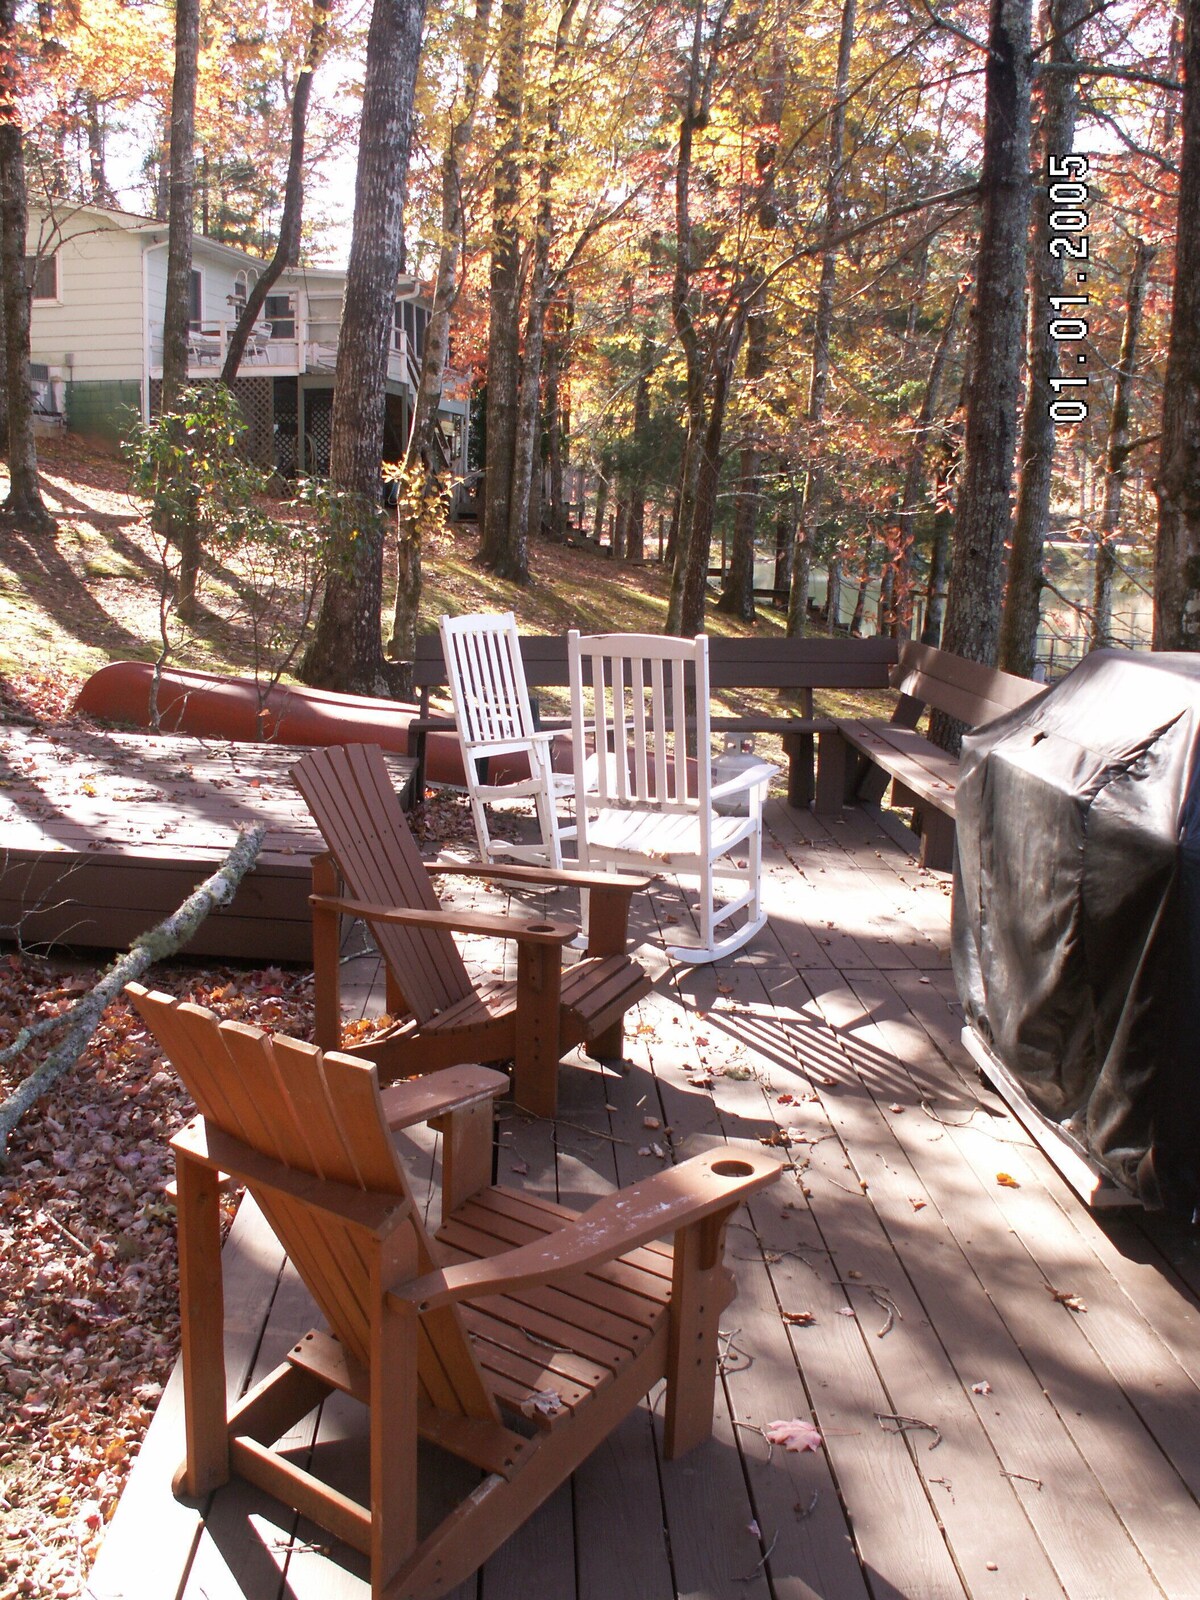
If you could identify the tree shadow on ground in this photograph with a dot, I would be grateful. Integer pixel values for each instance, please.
(45, 574)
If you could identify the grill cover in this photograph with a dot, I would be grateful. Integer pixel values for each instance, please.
(1076, 931)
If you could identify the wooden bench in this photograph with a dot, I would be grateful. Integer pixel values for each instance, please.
(798, 665)
(867, 753)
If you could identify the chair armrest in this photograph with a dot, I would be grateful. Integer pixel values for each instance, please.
(543, 931)
(749, 778)
(714, 1182)
(479, 749)
(541, 877)
(437, 1094)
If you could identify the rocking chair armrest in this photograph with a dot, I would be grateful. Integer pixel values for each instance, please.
(543, 931)
(680, 1196)
(541, 877)
(437, 1094)
(481, 749)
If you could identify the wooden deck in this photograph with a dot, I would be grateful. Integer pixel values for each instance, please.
(1008, 1386)
(104, 834)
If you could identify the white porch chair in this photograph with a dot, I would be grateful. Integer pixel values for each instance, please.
(644, 791)
(494, 718)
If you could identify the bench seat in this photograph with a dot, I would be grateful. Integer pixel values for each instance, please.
(868, 753)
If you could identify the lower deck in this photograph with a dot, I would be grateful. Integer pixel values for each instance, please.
(1008, 1385)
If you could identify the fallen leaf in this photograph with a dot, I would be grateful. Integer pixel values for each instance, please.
(800, 1319)
(1006, 1181)
(542, 1402)
(1066, 1298)
(793, 1434)
(520, 1167)
(916, 1202)
(982, 1387)
(651, 1122)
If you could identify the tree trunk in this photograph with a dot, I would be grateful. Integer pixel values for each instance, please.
(182, 531)
(525, 442)
(835, 184)
(287, 249)
(1116, 455)
(1177, 556)
(420, 456)
(501, 549)
(737, 590)
(860, 606)
(984, 516)
(346, 650)
(691, 571)
(556, 521)
(694, 116)
(737, 594)
(635, 541)
(23, 505)
(896, 614)
(101, 190)
(1022, 601)
(939, 575)
(602, 492)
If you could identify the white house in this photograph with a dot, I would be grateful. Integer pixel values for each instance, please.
(98, 291)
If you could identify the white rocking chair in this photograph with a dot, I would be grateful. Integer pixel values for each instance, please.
(495, 719)
(644, 791)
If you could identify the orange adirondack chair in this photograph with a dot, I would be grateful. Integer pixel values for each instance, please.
(442, 1018)
(516, 1306)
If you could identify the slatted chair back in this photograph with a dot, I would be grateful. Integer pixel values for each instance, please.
(350, 795)
(487, 679)
(505, 755)
(646, 695)
(318, 1115)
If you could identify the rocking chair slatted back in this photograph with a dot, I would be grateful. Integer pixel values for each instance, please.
(637, 701)
(318, 1115)
(348, 792)
(487, 679)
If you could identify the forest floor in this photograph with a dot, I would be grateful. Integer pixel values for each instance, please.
(88, 1314)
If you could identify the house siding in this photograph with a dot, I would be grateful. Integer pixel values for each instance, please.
(93, 332)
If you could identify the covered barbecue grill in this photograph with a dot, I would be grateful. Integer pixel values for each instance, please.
(1076, 934)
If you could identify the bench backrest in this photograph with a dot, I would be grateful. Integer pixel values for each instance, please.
(966, 690)
(768, 663)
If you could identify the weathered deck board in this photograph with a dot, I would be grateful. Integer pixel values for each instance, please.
(104, 834)
(1076, 1476)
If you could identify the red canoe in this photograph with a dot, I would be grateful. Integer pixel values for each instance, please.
(208, 706)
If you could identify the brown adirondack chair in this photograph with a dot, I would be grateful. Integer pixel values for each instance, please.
(442, 1017)
(515, 1309)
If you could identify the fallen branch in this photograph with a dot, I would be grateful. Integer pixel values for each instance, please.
(154, 945)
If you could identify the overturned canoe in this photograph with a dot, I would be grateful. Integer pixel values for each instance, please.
(207, 705)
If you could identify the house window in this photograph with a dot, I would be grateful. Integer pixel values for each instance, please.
(280, 312)
(196, 300)
(420, 323)
(41, 274)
